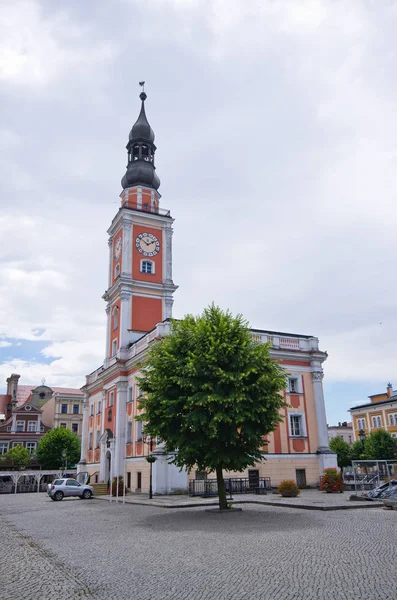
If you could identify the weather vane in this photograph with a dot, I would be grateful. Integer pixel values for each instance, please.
(142, 84)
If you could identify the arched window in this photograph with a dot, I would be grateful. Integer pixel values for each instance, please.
(135, 153)
(147, 266)
(116, 271)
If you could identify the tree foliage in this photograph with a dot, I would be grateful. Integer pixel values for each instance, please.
(51, 446)
(212, 393)
(18, 456)
(380, 445)
(343, 451)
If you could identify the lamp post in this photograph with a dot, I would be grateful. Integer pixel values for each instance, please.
(150, 459)
(64, 460)
(361, 435)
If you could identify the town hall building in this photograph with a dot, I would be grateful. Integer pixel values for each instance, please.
(139, 300)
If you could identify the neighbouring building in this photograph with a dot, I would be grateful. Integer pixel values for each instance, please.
(342, 430)
(139, 301)
(379, 413)
(27, 413)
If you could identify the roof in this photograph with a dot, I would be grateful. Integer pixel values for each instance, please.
(24, 391)
(375, 404)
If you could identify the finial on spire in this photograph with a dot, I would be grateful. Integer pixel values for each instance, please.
(142, 95)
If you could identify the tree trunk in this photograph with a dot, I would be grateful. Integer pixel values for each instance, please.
(221, 489)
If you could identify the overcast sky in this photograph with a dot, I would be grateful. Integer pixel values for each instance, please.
(276, 131)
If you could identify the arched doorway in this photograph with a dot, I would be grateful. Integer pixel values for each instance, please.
(108, 465)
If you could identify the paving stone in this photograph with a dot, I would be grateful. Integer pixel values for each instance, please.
(92, 549)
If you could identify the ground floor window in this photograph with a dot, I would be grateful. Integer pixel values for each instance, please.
(3, 447)
(139, 480)
(129, 480)
(75, 427)
(31, 447)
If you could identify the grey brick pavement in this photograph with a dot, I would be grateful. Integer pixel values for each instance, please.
(90, 549)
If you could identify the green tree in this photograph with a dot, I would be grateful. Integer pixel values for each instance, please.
(357, 452)
(380, 445)
(343, 451)
(212, 393)
(50, 449)
(18, 456)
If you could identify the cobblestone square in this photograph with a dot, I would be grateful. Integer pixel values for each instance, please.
(92, 549)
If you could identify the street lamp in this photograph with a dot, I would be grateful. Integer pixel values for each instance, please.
(361, 435)
(64, 460)
(150, 459)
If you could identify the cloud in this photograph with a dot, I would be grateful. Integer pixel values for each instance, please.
(4, 344)
(276, 135)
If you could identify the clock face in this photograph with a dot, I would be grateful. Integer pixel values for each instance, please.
(117, 249)
(147, 244)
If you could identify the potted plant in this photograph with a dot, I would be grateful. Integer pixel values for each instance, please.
(331, 481)
(121, 486)
(288, 489)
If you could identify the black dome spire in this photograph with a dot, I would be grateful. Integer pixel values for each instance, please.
(141, 151)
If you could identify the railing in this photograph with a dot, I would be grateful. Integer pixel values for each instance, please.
(233, 485)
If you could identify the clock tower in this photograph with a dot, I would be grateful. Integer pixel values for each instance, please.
(140, 287)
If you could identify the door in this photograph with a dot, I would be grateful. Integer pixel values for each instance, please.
(300, 477)
(253, 479)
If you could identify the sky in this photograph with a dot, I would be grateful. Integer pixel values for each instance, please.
(276, 130)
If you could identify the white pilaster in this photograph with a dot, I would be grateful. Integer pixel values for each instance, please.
(126, 257)
(108, 325)
(167, 265)
(102, 463)
(84, 436)
(168, 302)
(119, 454)
(110, 244)
(125, 318)
(319, 404)
(38, 426)
(14, 423)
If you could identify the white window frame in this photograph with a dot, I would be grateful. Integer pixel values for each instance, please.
(90, 440)
(92, 410)
(151, 262)
(129, 432)
(18, 423)
(297, 383)
(115, 315)
(99, 407)
(32, 426)
(139, 430)
(75, 432)
(17, 444)
(31, 447)
(393, 419)
(63, 425)
(4, 445)
(114, 347)
(111, 399)
(131, 393)
(361, 423)
(97, 436)
(301, 415)
(376, 421)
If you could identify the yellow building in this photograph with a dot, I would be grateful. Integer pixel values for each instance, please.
(379, 413)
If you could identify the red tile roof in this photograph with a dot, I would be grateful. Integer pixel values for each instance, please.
(24, 391)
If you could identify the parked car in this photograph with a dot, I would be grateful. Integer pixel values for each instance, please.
(390, 501)
(380, 491)
(61, 488)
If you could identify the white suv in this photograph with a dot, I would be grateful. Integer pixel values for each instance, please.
(61, 488)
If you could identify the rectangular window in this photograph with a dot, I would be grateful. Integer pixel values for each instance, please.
(129, 432)
(114, 347)
(350, 439)
(393, 419)
(3, 447)
(31, 447)
(75, 409)
(293, 385)
(111, 398)
(139, 429)
(90, 441)
(376, 421)
(63, 425)
(91, 410)
(361, 423)
(16, 444)
(20, 426)
(32, 426)
(75, 428)
(99, 407)
(130, 393)
(139, 480)
(296, 425)
(97, 434)
(129, 480)
(64, 409)
(147, 267)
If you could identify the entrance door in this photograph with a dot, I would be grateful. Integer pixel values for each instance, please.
(300, 477)
(253, 479)
(108, 463)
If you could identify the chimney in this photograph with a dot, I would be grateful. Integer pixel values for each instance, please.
(12, 386)
(389, 389)
(344, 424)
(339, 424)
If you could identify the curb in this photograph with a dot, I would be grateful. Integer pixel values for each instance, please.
(281, 505)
